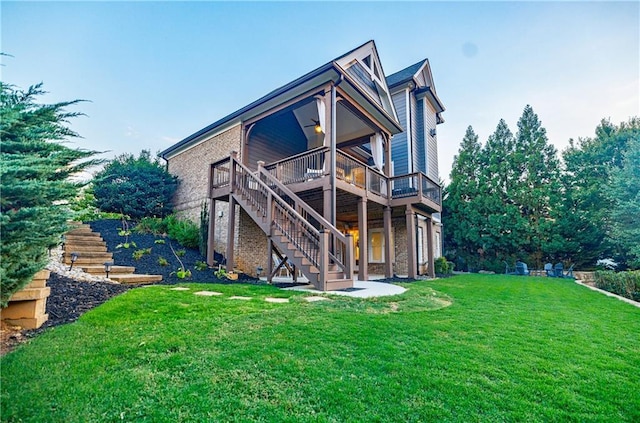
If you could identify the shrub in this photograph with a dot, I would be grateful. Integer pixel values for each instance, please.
(138, 254)
(162, 261)
(442, 266)
(625, 284)
(184, 231)
(36, 170)
(204, 228)
(201, 265)
(151, 225)
(137, 187)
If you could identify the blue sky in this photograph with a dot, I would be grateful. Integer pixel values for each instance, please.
(155, 72)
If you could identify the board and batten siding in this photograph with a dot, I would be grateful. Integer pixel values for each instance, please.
(432, 142)
(399, 150)
(274, 139)
(419, 148)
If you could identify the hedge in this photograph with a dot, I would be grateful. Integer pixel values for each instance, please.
(625, 284)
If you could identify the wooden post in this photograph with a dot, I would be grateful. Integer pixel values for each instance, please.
(269, 259)
(211, 231)
(411, 242)
(388, 245)
(363, 271)
(231, 232)
(430, 249)
(323, 259)
(349, 259)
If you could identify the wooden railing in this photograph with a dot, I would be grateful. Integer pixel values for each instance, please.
(276, 211)
(301, 167)
(313, 164)
(220, 173)
(415, 184)
(340, 246)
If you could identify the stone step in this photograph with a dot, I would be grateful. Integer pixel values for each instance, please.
(115, 270)
(132, 278)
(68, 249)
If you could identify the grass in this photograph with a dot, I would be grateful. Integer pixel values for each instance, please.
(468, 348)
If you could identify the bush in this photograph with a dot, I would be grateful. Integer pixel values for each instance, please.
(625, 284)
(138, 187)
(185, 231)
(36, 171)
(443, 267)
(151, 225)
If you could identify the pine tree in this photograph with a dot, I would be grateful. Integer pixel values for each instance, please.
(502, 235)
(585, 218)
(35, 168)
(536, 188)
(624, 193)
(461, 212)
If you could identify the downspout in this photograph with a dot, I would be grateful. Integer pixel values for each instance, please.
(333, 153)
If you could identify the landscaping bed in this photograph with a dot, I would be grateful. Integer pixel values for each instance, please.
(159, 248)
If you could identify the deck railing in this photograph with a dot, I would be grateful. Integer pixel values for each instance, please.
(340, 246)
(275, 210)
(301, 167)
(312, 165)
(220, 173)
(415, 184)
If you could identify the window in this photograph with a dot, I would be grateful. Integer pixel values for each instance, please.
(376, 246)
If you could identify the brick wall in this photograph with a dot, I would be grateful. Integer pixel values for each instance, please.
(192, 169)
(251, 248)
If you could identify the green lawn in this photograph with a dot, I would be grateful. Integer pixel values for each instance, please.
(508, 348)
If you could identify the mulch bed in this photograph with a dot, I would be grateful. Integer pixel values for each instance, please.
(148, 263)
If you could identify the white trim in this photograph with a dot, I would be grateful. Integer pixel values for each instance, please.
(203, 138)
(426, 135)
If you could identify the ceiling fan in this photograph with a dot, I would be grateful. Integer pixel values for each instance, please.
(316, 126)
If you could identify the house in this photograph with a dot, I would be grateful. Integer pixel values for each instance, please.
(334, 173)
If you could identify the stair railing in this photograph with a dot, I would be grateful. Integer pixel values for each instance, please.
(341, 252)
(277, 212)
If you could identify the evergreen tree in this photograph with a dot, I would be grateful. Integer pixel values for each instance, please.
(137, 187)
(461, 210)
(536, 186)
(35, 168)
(502, 234)
(624, 193)
(585, 218)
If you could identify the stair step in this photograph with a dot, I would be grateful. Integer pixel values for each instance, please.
(82, 235)
(115, 270)
(334, 284)
(84, 248)
(133, 278)
(80, 261)
(90, 254)
(81, 230)
(84, 241)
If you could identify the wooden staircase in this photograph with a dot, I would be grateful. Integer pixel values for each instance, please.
(310, 242)
(92, 254)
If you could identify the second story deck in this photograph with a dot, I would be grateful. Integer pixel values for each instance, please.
(310, 171)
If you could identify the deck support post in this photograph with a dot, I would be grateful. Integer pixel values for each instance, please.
(430, 250)
(211, 231)
(231, 232)
(363, 271)
(388, 246)
(269, 259)
(410, 216)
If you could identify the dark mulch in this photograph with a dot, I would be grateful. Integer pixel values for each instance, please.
(148, 264)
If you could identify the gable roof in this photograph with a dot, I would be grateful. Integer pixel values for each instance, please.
(372, 90)
(405, 75)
